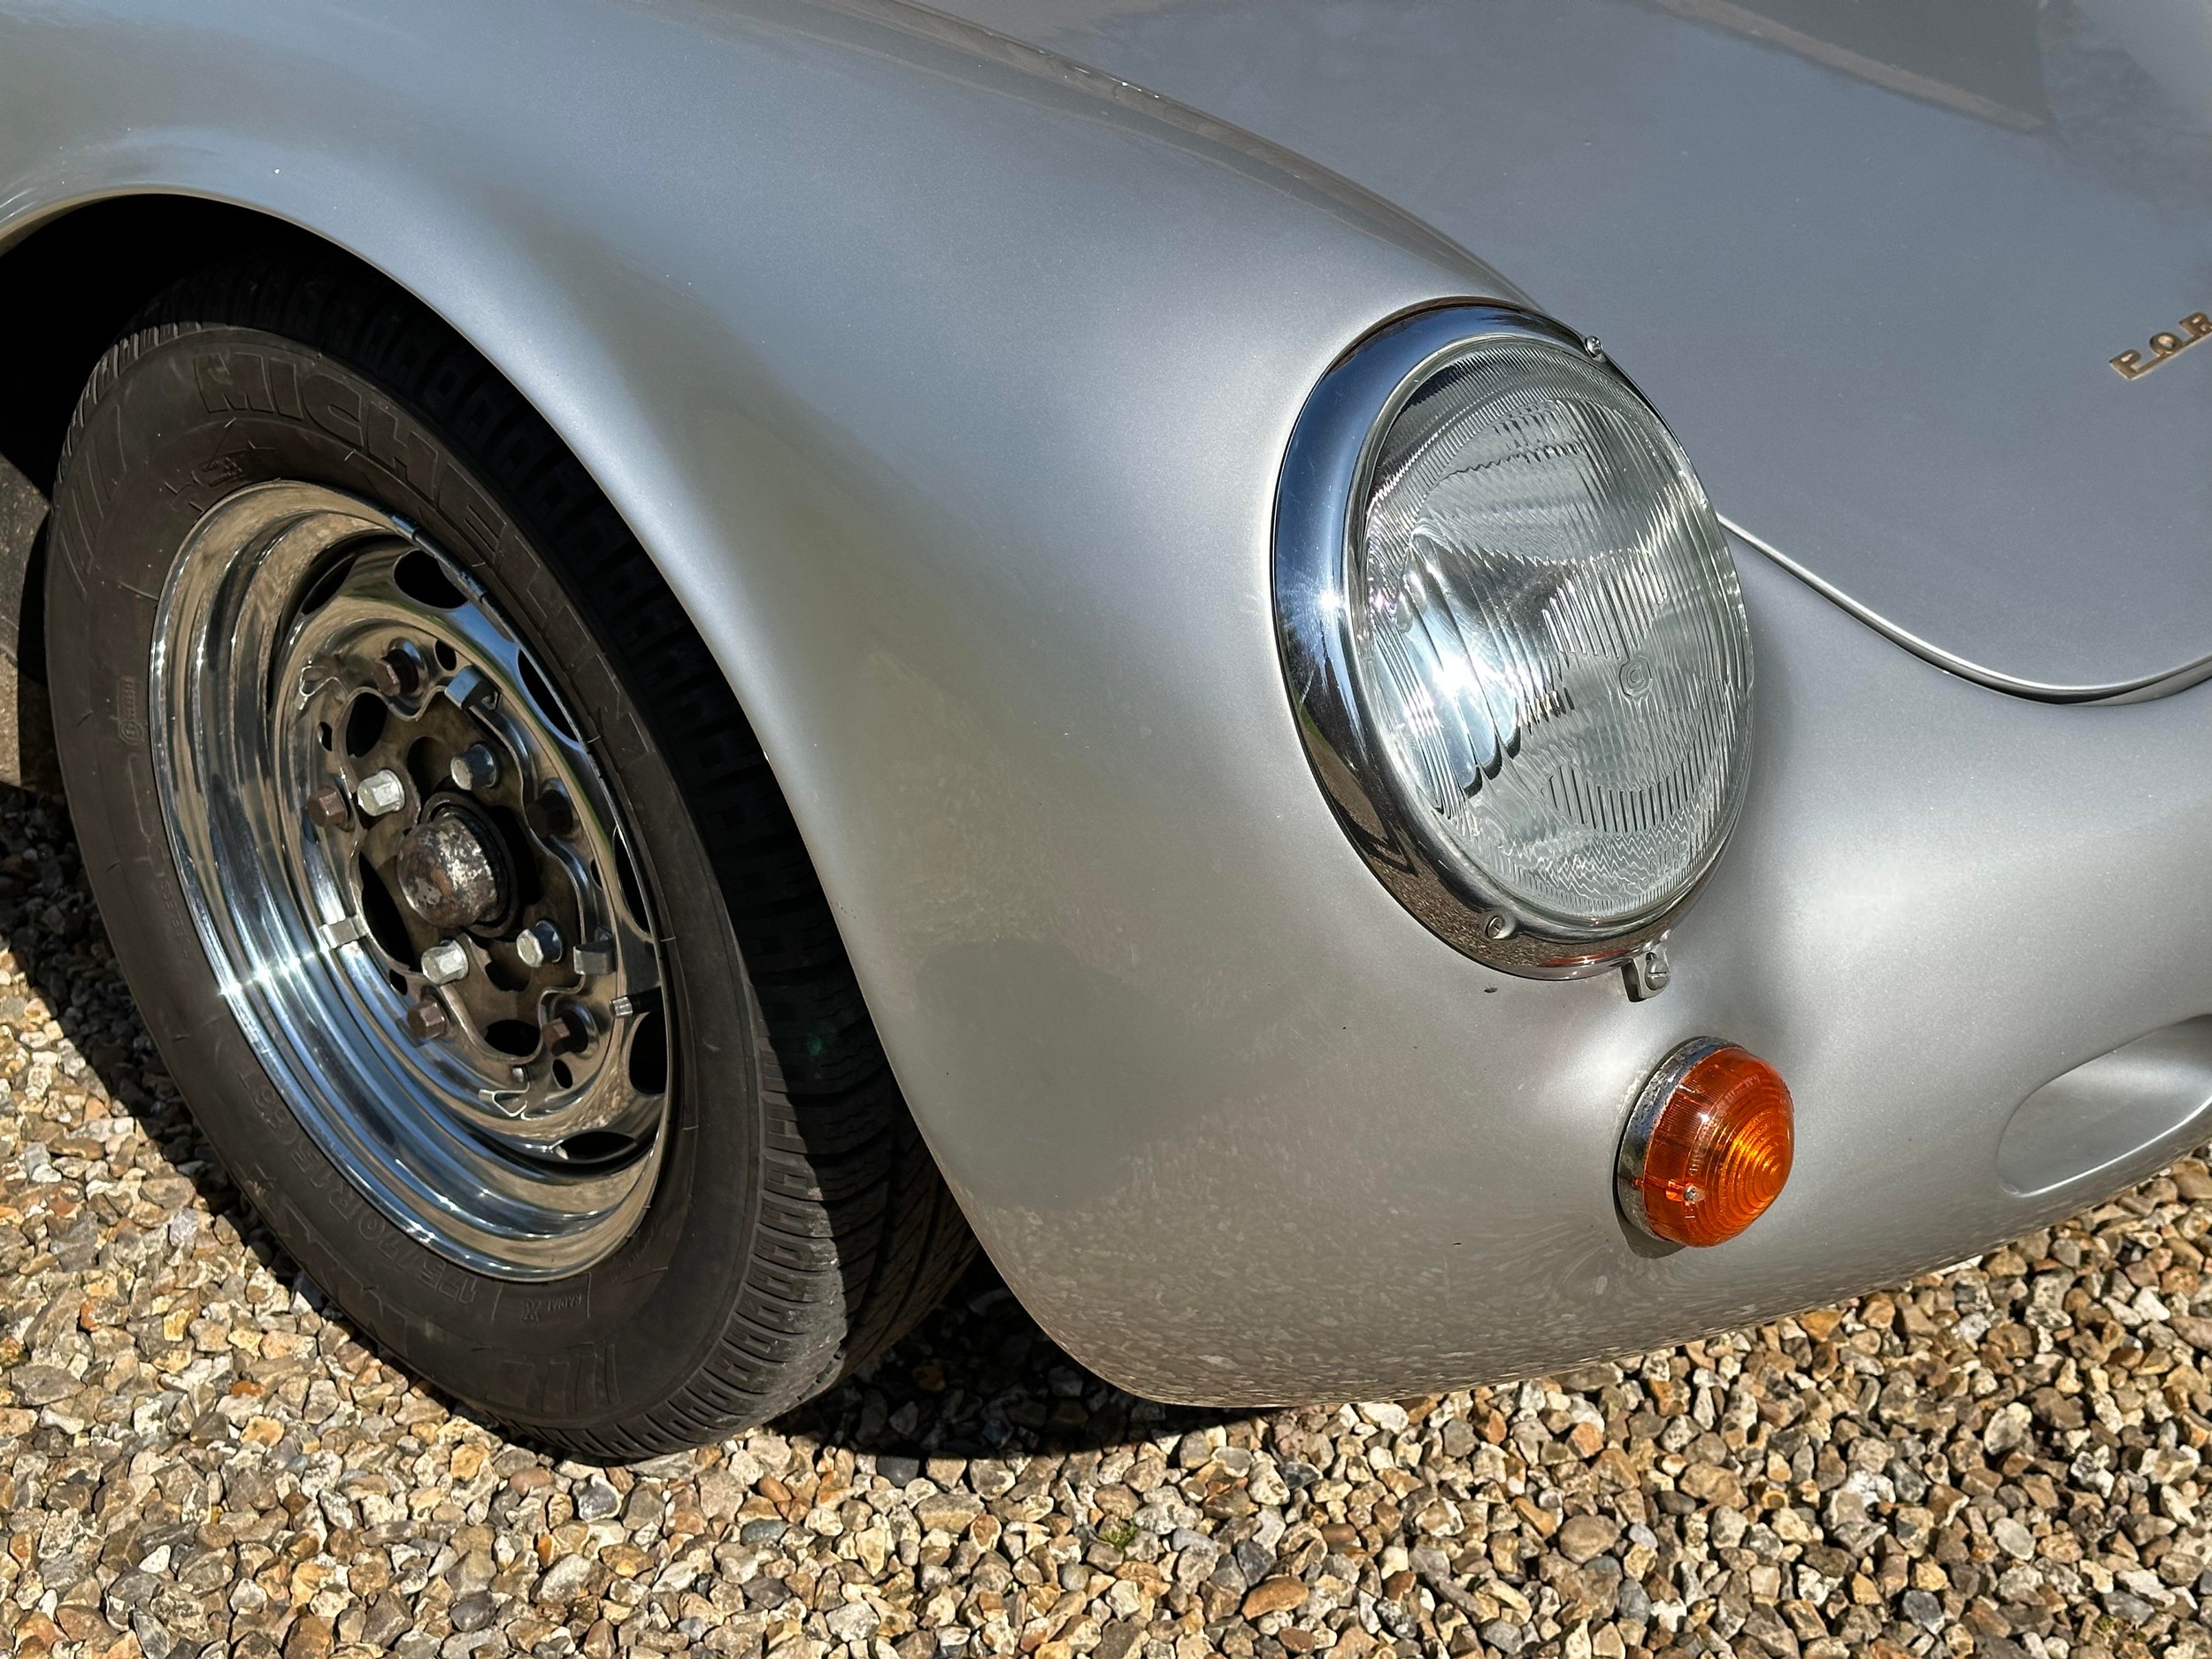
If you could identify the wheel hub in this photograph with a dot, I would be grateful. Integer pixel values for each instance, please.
(413, 881)
(452, 871)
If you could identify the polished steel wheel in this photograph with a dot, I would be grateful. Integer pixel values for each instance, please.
(391, 754)
(412, 880)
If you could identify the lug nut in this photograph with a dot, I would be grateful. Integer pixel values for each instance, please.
(381, 791)
(426, 1020)
(596, 957)
(398, 672)
(445, 962)
(475, 768)
(540, 943)
(329, 807)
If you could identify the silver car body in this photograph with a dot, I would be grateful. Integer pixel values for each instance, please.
(947, 379)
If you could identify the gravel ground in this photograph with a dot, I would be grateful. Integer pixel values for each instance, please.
(198, 1458)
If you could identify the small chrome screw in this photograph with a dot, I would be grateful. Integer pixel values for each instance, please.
(1596, 351)
(540, 943)
(596, 957)
(475, 768)
(329, 807)
(445, 962)
(381, 791)
(426, 1020)
(1497, 925)
(398, 672)
(1648, 969)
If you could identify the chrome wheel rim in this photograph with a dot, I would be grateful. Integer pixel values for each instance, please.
(412, 880)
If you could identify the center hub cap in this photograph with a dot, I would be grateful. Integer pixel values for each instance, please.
(451, 871)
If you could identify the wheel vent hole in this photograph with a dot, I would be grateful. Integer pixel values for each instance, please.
(327, 736)
(364, 723)
(649, 1055)
(508, 978)
(542, 693)
(633, 889)
(595, 1145)
(422, 578)
(550, 813)
(563, 1078)
(518, 1037)
(422, 766)
(326, 584)
(386, 926)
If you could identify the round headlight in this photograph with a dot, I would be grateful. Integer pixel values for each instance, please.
(1514, 637)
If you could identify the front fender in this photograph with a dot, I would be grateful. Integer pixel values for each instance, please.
(947, 383)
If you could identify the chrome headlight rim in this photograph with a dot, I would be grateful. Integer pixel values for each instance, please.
(1321, 502)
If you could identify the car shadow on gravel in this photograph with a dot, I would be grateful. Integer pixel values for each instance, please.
(979, 1377)
(2001, 1459)
(975, 1378)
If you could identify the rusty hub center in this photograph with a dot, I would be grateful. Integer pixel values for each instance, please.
(452, 871)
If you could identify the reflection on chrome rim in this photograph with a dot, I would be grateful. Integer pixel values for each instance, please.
(411, 880)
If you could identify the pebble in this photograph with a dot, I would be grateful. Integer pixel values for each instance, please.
(199, 1459)
(1582, 1536)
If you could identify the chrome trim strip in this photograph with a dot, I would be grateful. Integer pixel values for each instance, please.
(2146, 689)
(1628, 1162)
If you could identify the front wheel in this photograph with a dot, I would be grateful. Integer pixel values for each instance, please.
(453, 885)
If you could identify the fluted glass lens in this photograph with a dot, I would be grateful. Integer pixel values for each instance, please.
(1551, 640)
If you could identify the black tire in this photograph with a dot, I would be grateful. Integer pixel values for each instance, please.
(798, 1225)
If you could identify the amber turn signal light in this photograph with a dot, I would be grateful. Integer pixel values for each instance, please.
(1707, 1148)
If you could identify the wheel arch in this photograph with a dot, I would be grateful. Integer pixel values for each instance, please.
(72, 278)
(947, 386)
(69, 283)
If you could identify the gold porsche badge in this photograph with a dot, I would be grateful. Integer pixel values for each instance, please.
(2133, 366)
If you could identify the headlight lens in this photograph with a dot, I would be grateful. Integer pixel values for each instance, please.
(1549, 637)
(1513, 637)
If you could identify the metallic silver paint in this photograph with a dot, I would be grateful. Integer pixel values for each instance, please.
(2163, 685)
(1871, 259)
(2144, 1093)
(948, 384)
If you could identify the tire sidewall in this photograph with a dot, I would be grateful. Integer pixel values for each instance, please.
(192, 415)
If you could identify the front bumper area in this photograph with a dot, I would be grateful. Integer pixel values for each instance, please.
(1279, 1143)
